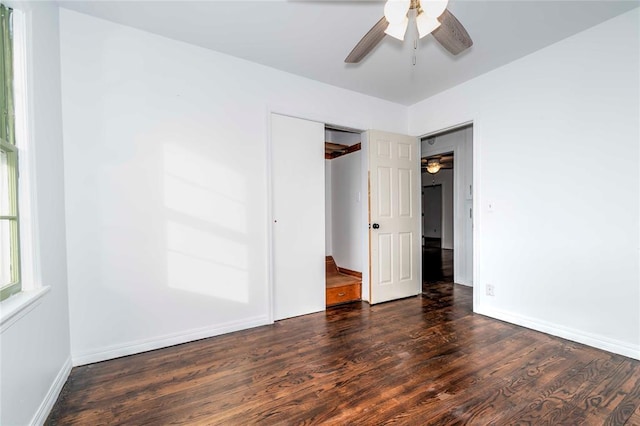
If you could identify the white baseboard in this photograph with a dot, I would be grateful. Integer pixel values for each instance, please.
(52, 395)
(596, 341)
(135, 347)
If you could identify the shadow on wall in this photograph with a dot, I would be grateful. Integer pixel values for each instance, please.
(206, 228)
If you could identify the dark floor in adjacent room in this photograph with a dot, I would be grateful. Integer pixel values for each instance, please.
(437, 263)
(421, 360)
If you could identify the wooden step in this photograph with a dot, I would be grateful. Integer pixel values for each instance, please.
(341, 287)
(344, 294)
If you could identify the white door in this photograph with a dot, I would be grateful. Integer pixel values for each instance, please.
(298, 198)
(394, 236)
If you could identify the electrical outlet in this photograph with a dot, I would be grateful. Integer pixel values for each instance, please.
(490, 290)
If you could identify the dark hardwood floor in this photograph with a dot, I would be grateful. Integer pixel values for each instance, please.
(422, 360)
(437, 264)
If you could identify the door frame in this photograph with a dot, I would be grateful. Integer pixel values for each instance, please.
(474, 122)
(268, 187)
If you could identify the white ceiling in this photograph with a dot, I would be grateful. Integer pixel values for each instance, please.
(312, 38)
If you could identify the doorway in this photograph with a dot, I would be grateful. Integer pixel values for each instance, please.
(432, 212)
(437, 261)
(437, 228)
(447, 191)
(343, 215)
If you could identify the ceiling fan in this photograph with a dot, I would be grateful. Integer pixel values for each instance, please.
(435, 163)
(434, 19)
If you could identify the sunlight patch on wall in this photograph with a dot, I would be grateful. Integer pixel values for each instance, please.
(199, 187)
(201, 171)
(204, 204)
(197, 242)
(206, 245)
(204, 263)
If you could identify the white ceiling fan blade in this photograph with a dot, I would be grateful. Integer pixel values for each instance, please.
(398, 30)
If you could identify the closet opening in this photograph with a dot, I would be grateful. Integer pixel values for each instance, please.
(343, 215)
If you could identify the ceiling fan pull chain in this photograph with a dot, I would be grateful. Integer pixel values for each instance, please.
(415, 48)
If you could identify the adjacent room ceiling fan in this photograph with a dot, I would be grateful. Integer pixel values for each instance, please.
(433, 18)
(435, 163)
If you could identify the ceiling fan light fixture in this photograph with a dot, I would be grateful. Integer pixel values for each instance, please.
(395, 11)
(433, 166)
(426, 24)
(398, 30)
(434, 8)
(449, 32)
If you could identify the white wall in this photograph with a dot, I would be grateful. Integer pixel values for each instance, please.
(343, 138)
(445, 178)
(35, 355)
(166, 165)
(346, 207)
(541, 126)
(364, 217)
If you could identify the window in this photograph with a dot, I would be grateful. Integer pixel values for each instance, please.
(10, 282)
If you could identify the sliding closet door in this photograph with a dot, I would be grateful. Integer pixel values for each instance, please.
(298, 198)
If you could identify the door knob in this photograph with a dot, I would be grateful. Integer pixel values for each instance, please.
(376, 226)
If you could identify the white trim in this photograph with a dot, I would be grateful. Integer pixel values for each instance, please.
(52, 395)
(448, 129)
(418, 194)
(269, 192)
(340, 121)
(19, 305)
(365, 291)
(589, 339)
(476, 148)
(28, 199)
(144, 345)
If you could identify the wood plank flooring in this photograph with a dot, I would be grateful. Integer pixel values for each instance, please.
(417, 361)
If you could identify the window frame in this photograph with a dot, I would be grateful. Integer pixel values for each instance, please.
(8, 146)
